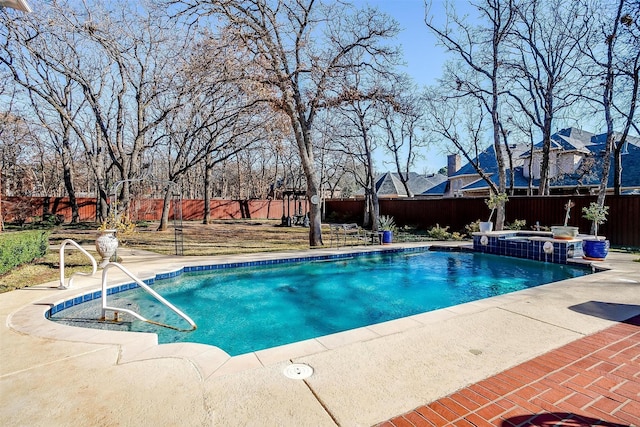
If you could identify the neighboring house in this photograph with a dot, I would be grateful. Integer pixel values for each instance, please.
(575, 167)
(389, 185)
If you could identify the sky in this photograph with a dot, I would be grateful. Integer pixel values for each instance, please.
(424, 59)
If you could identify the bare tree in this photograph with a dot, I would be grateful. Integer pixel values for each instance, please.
(122, 63)
(144, 55)
(614, 50)
(359, 121)
(478, 74)
(17, 155)
(333, 158)
(298, 48)
(60, 131)
(461, 124)
(403, 119)
(546, 74)
(211, 131)
(218, 120)
(53, 97)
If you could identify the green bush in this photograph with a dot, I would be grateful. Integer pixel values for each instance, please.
(22, 247)
(517, 224)
(471, 228)
(442, 233)
(439, 233)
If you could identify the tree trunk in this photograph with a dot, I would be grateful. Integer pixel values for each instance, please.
(617, 166)
(502, 179)
(543, 187)
(67, 172)
(1, 218)
(374, 211)
(102, 205)
(305, 148)
(315, 213)
(166, 205)
(73, 202)
(207, 194)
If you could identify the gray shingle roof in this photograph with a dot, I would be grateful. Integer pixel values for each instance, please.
(390, 185)
(588, 175)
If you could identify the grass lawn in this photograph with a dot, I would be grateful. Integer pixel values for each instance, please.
(219, 238)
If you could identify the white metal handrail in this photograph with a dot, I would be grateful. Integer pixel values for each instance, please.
(93, 263)
(147, 288)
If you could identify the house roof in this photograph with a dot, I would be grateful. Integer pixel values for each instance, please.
(570, 139)
(519, 181)
(437, 190)
(430, 181)
(588, 173)
(487, 160)
(390, 185)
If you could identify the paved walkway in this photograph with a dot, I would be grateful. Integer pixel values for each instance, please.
(591, 381)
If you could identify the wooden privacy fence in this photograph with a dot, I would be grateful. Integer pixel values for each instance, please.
(622, 227)
(27, 209)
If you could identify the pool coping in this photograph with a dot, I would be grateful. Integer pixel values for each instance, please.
(212, 361)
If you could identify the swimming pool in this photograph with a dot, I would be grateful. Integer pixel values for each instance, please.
(251, 308)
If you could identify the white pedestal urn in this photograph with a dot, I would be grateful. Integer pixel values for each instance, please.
(106, 245)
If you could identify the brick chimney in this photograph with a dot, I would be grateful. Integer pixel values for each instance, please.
(453, 164)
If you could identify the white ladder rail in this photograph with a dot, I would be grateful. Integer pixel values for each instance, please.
(147, 288)
(93, 263)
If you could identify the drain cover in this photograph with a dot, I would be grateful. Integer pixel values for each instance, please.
(298, 371)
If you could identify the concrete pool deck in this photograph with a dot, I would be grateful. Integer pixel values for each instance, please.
(52, 374)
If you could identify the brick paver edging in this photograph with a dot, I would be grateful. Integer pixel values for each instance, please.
(592, 381)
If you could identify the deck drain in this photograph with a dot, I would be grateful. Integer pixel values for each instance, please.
(298, 371)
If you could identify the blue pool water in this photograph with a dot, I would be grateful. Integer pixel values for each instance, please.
(251, 308)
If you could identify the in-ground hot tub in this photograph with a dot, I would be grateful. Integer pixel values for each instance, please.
(535, 245)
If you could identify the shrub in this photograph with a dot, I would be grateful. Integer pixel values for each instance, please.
(517, 224)
(494, 201)
(474, 227)
(597, 214)
(457, 236)
(22, 247)
(51, 220)
(122, 225)
(439, 233)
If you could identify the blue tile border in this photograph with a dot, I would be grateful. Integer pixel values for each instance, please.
(518, 246)
(93, 295)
